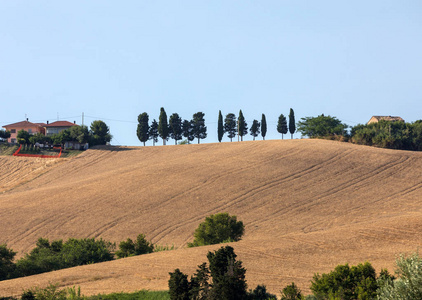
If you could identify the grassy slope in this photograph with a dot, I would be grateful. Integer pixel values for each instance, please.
(308, 205)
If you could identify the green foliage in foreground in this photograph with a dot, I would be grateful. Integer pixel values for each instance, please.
(227, 280)
(218, 228)
(140, 295)
(52, 292)
(408, 285)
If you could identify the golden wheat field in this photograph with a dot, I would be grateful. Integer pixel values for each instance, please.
(307, 206)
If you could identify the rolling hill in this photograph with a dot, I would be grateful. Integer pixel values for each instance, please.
(307, 205)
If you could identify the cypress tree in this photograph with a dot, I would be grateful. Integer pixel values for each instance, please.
(220, 126)
(153, 132)
(178, 285)
(199, 128)
(263, 126)
(143, 127)
(187, 130)
(230, 126)
(242, 126)
(163, 128)
(282, 125)
(292, 123)
(175, 126)
(228, 275)
(255, 129)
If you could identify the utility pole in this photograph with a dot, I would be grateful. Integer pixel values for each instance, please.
(82, 119)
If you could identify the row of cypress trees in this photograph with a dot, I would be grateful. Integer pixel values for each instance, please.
(232, 127)
(176, 128)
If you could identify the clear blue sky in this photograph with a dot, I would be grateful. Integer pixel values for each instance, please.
(113, 60)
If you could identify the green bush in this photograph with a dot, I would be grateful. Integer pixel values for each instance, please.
(356, 282)
(130, 248)
(218, 228)
(46, 256)
(321, 126)
(77, 252)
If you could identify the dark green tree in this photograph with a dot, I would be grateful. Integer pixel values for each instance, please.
(242, 126)
(321, 126)
(153, 132)
(356, 282)
(163, 127)
(199, 285)
(81, 135)
(217, 229)
(4, 135)
(199, 128)
(142, 131)
(263, 126)
(292, 122)
(260, 293)
(230, 126)
(7, 267)
(130, 248)
(23, 137)
(175, 126)
(178, 286)
(61, 138)
(291, 292)
(220, 126)
(282, 125)
(228, 275)
(45, 257)
(77, 252)
(37, 138)
(100, 132)
(187, 128)
(255, 129)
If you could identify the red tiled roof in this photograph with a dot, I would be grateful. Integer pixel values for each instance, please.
(60, 124)
(23, 124)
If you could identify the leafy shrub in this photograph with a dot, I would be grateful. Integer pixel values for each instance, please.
(408, 285)
(356, 282)
(130, 248)
(46, 256)
(77, 252)
(217, 229)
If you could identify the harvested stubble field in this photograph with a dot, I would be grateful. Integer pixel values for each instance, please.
(308, 205)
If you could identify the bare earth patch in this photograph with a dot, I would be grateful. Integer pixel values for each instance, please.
(308, 205)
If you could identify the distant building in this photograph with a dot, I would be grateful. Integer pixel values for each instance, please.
(57, 127)
(31, 128)
(48, 129)
(376, 119)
